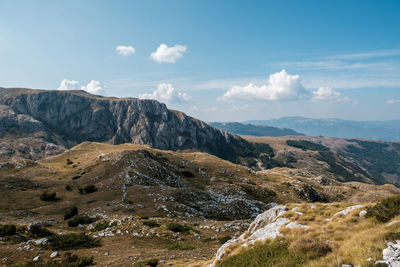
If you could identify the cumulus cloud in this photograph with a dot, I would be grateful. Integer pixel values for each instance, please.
(393, 101)
(280, 86)
(168, 54)
(69, 85)
(327, 94)
(166, 93)
(125, 50)
(93, 87)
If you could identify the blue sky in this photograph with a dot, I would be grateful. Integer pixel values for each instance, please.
(215, 60)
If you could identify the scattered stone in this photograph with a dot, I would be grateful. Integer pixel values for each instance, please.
(391, 254)
(362, 213)
(345, 211)
(107, 254)
(5, 259)
(37, 258)
(55, 254)
(41, 241)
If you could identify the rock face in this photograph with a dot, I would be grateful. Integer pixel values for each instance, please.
(77, 116)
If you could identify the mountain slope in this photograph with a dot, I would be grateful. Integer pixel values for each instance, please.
(254, 130)
(381, 130)
(77, 116)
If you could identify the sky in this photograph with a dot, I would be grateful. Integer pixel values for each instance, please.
(224, 60)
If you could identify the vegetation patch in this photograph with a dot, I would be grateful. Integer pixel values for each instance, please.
(72, 241)
(178, 228)
(70, 212)
(46, 196)
(385, 210)
(88, 189)
(151, 263)
(7, 230)
(68, 261)
(224, 239)
(100, 226)
(80, 220)
(151, 223)
(180, 246)
(306, 145)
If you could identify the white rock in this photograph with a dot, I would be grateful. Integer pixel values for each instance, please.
(54, 254)
(41, 241)
(5, 259)
(391, 254)
(296, 225)
(362, 213)
(345, 211)
(37, 258)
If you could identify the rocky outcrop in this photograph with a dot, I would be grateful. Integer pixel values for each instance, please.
(391, 254)
(77, 116)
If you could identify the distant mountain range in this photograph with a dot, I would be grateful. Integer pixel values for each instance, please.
(254, 130)
(381, 130)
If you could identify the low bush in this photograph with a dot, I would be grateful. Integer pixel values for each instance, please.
(68, 261)
(306, 145)
(68, 187)
(178, 228)
(223, 239)
(70, 212)
(151, 224)
(7, 230)
(151, 263)
(71, 241)
(385, 210)
(76, 221)
(393, 236)
(100, 226)
(45, 196)
(39, 232)
(88, 189)
(69, 162)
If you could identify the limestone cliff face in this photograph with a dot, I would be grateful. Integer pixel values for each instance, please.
(77, 116)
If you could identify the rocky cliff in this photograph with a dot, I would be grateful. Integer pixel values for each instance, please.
(77, 116)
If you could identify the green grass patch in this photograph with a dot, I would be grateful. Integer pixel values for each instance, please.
(76, 221)
(278, 253)
(178, 228)
(151, 224)
(100, 226)
(180, 246)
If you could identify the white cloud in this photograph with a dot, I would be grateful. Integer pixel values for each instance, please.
(93, 87)
(165, 53)
(280, 86)
(125, 50)
(166, 93)
(69, 85)
(212, 109)
(243, 107)
(393, 101)
(327, 94)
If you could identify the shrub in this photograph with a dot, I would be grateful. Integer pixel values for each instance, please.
(7, 229)
(151, 263)
(178, 228)
(392, 236)
(70, 212)
(74, 222)
(71, 241)
(88, 189)
(223, 239)
(306, 145)
(69, 162)
(100, 226)
(45, 196)
(151, 223)
(68, 187)
(385, 210)
(39, 231)
(68, 261)
(76, 177)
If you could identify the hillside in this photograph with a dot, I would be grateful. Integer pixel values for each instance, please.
(66, 118)
(254, 130)
(139, 192)
(380, 130)
(361, 160)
